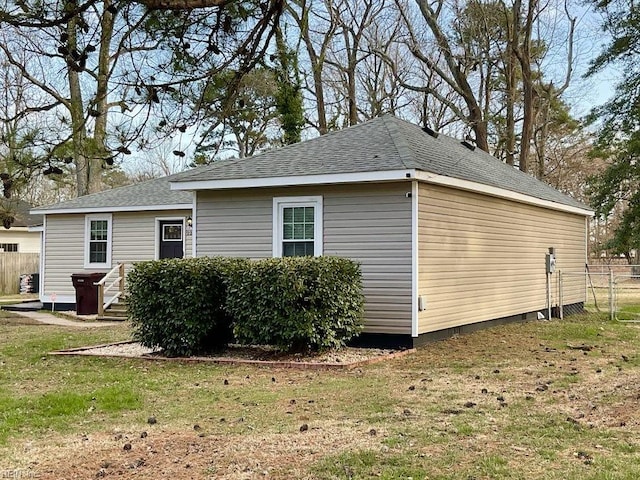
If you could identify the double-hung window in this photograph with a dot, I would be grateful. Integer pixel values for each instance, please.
(97, 240)
(297, 226)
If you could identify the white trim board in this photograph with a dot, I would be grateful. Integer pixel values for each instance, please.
(130, 208)
(194, 216)
(43, 253)
(415, 277)
(182, 220)
(87, 240)
(384, 176)
(283, 202)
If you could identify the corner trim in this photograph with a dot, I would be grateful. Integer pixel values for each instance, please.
(415, 317)
(43, 254)
(194, 224)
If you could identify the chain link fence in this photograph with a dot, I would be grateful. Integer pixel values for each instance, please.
(610, 291)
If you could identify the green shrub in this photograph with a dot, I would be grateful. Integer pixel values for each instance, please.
(296, 303)
(178, 304)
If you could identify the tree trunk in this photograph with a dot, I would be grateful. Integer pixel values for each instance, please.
(475, 118)
(527, 86)
(76, 110)
(102, 84)
(510, 80)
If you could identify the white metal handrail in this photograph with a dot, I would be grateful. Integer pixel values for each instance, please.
(102, 290)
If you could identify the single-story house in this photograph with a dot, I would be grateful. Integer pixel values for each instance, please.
(22, 236)
(97, 232)
(448, 237)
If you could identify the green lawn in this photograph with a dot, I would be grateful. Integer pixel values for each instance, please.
(513, 402)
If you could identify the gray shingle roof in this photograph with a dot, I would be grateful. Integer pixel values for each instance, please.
(152, 193)
(382, 144)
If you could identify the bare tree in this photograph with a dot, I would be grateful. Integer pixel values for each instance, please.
(492, 55)
(114, 73)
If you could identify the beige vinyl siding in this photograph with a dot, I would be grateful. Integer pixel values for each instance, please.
(482, 258)
(133, 240)
(369, 223)
(134, 235)
(64, 253)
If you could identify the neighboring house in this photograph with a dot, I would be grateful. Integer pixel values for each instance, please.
(95, 233)
(23, 236)
(447, 236)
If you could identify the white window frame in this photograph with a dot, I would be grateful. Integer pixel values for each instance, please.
(87, 239)
(280, 203)
(181, 239)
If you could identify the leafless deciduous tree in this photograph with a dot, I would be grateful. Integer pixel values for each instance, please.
(493, 54)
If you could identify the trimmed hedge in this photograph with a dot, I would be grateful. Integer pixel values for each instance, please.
(196, 306)
(297, 303)
(178, 304)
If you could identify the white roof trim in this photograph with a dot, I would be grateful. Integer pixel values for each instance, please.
(498, 192)
(129, 208)
(36, 228)
(378, 176)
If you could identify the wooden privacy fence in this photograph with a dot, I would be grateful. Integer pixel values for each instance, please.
(14, 264)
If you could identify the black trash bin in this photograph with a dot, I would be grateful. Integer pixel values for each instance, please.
(86, 292)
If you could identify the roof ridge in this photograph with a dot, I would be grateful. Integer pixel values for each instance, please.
(187, 174)
(399, 141)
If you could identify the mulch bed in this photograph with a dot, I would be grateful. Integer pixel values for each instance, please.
(346, 358)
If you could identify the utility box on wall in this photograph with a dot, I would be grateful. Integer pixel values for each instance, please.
(550, 260)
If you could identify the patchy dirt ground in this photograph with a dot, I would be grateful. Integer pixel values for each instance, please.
(347, 357)
(542, 403)
(157, 453)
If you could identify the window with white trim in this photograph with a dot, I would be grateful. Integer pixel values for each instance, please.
(97, 240)
(297, 226)
(8, 247)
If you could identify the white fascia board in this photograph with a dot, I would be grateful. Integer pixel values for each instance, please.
(131, 208)
(436, 179)
(357, 177)
(36, 228)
